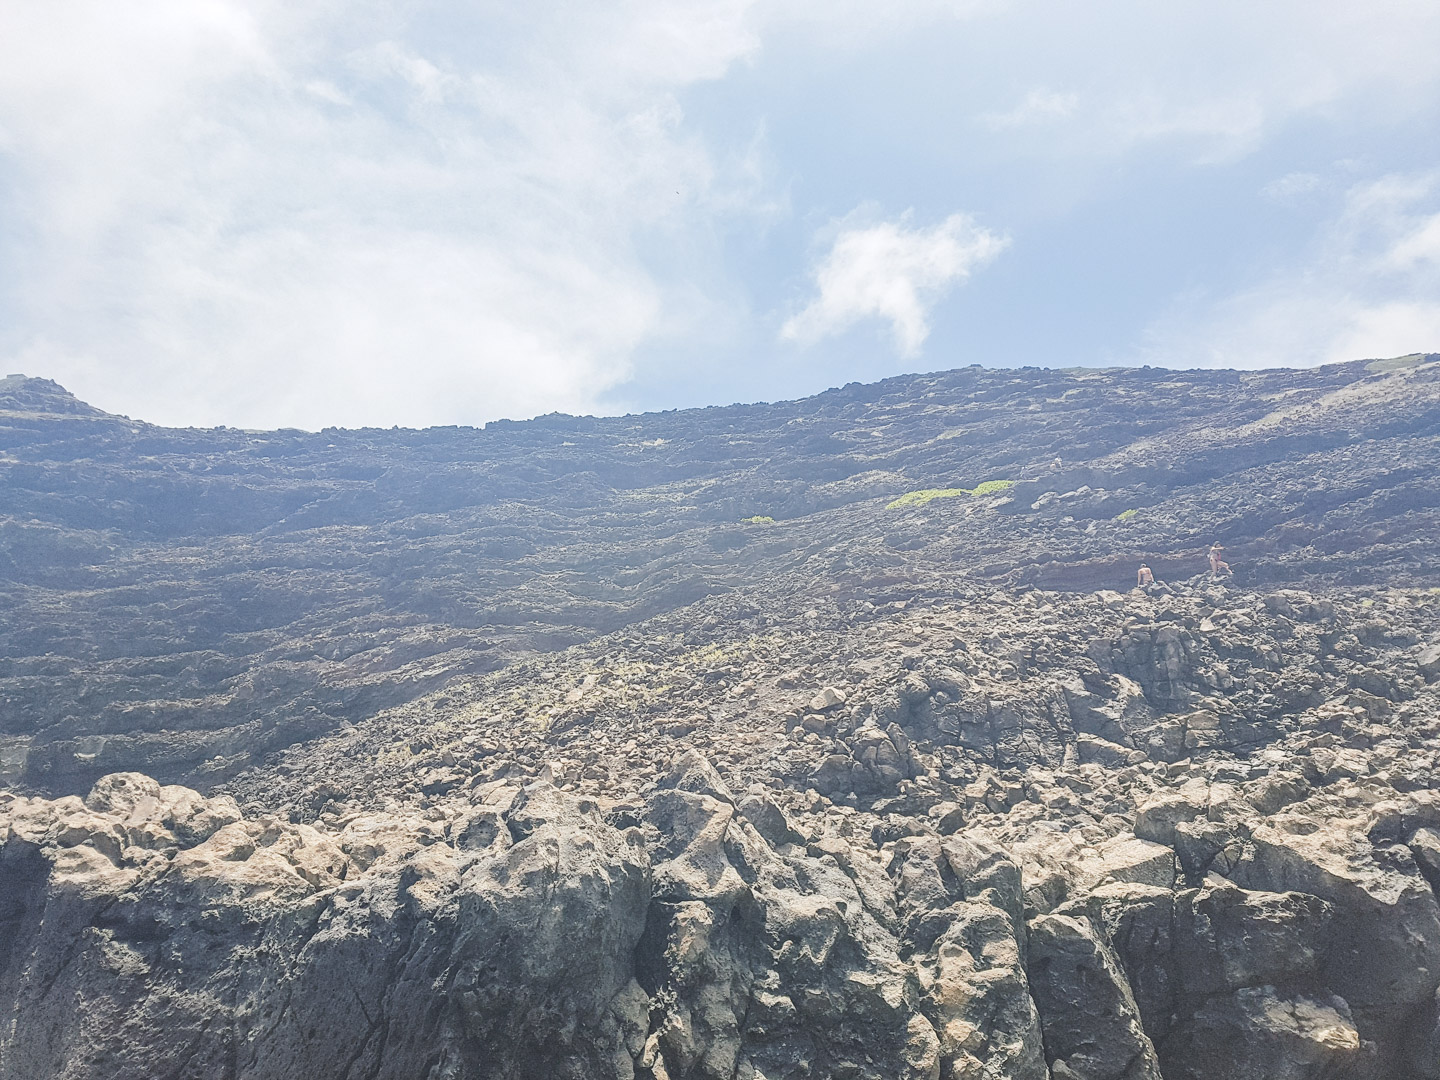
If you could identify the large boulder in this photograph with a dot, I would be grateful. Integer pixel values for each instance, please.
(1259, 1033)
(961, 905)
(1384, 953)
(266, 944)
(1089, 1017)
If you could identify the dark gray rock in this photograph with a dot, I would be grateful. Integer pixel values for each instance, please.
(1089, 1017)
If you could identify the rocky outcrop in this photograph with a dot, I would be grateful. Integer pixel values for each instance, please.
(152, 932)
(1092, 1024)
(519, 930)
(966, 933)
(146, 944)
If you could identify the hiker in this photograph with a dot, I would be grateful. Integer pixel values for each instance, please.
(1217, 564)
(1144, 577)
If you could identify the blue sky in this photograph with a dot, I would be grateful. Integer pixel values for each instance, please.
(261, 214)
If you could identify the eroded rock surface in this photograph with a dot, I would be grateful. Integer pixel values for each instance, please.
(517, 934)
(520, 930)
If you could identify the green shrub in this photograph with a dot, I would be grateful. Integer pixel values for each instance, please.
(925, 495)
(991, 487)
(920, 498)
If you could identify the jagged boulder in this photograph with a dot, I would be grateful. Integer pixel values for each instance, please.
(516, 936)
(1089, 1017)
(878, 760)
(265, 944)
(960, 903)
(1384, 955)
(1259, 1033)
(763, 965)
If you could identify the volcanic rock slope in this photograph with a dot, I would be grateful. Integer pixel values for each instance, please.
(820, 739)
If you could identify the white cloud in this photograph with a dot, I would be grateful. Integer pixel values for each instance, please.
(1293, 187)
(1369, 288)
(1417, 247)
(1384, 329)
(1039, 106)
(258, 214)
(894, 272)
(1213, 80)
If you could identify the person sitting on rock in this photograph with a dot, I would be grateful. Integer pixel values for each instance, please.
(1217, 564)
(1144, 576)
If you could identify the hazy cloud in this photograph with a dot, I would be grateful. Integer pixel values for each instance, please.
(894, 272)
(1292, 187)
(1418, 249)
(1369, 288)
(1039, 106)
(258, 214)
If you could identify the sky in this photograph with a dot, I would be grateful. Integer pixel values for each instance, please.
(308, 213)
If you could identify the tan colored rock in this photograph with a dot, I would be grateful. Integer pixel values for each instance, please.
(1097, 749)
(828, 698)
(693, 772)
(1138, 923)
(1425, 847)
(1157, 816)
(770, 820)
(1227, 938)
(1273, 793)
(1126, 859)
(1428, 660)
(691, 863)
(970, 955)
(121, 794)
(84, 826)
(1384, 958)
(1205, 846)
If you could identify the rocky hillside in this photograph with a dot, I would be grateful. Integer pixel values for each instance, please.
(183, 602)
(821, 739)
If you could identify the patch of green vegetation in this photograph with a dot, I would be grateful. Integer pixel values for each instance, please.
(1126, 515)
(927, 495)
(920, 498)
(758, 519)
(991, 487)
